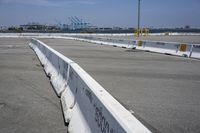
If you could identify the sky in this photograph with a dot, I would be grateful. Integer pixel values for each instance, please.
(102, 13)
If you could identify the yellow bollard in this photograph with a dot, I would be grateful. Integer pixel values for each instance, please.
(141, 32)
(137, 33)
(146, 31)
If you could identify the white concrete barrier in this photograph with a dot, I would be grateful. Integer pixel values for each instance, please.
(87, 106)
(171, 48)
(46, 35)
(101, 42)
(54, 35)
(165, 47)
(55, 65)
(195, 52)
(174, 34)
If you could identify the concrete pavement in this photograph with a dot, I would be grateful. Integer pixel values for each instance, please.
(28, 103)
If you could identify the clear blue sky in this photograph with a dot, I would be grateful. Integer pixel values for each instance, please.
(155, 13)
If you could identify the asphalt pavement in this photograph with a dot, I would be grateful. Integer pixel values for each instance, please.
(163, 91)
(28, 103)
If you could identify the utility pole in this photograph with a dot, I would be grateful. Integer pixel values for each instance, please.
(138, 18)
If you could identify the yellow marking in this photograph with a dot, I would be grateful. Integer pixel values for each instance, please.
(140, 43)
(183, 47)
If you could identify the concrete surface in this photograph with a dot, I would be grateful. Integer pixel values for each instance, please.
(162, 90)
(28, 103)
(183, 39)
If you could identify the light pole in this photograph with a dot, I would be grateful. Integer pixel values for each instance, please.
(138, 18)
